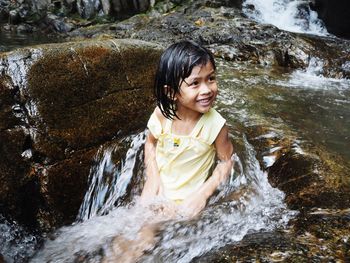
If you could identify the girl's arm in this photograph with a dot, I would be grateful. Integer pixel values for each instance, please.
(152, 185)
(224, 149)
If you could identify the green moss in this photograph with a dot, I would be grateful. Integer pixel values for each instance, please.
(89, 93)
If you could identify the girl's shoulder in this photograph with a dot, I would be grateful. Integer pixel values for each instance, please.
(211, 126)
(212, 117)
(157, 112)
(156, 123)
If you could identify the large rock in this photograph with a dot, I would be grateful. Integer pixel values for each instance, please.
(335, 15)
(312, 180)
(59, 102)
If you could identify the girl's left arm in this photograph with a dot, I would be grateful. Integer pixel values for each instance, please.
(224, 149)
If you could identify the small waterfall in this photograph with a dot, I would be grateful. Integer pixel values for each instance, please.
(289, 15)
(108, 181)
(312, 78)
(247, 203)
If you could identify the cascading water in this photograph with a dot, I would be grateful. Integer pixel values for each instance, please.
(258, 206)
(289, 15)
(312, 78)
(108, 181)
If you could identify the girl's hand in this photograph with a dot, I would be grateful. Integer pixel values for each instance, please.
(192, 206)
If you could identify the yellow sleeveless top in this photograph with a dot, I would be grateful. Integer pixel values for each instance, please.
(184, 161)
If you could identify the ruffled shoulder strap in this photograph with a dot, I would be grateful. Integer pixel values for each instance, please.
(209, 126)
(154, 125)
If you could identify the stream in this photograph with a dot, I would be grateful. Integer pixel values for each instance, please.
(300, 104)
(11, 40)
(281, 103)
(249, 95)
(226, 220)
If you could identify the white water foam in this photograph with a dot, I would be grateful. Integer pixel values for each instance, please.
(312, 78)
(16, 244)
(289, 15)
(257, 206)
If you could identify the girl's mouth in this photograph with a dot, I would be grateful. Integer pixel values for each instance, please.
(205, 102)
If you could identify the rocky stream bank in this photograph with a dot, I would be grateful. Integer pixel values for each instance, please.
(61, 102)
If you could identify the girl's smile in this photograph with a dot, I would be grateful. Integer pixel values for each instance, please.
(197, 92)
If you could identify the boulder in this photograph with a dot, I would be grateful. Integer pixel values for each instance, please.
(335, 15)
(312, 180)
(59, 103)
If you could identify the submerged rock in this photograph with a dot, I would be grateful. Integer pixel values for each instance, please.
(320, 236)
(59, 103)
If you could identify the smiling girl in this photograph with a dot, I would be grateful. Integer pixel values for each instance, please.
(186, 133)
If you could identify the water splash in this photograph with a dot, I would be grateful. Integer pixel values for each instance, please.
(251, 204)
(257, 206)
(289, 15)
(108, 181)
(312, 78)
(16, 244)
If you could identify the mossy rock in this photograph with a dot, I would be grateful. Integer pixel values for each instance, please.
(59, 103)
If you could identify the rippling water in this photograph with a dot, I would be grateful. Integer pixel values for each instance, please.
(303, 103)
(16, 244)
(12, 40)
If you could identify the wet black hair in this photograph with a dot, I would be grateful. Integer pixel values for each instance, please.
(176, 64)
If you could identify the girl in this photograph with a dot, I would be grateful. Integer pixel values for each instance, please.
(186, 133)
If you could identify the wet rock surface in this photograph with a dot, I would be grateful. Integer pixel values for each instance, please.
(311, 181)
(49, 138)
(316, 184)
(317, 187)
(320, 236)
(230, 35)
(59, 103)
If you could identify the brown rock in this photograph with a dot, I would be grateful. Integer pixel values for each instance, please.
(60, 102)
(311, 181)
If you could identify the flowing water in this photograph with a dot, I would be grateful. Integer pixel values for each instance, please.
(290, 15)
(17, 244)
(226, 220)
(302, 105)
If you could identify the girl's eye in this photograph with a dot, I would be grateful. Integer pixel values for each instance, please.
(212, 78)
(194, 83)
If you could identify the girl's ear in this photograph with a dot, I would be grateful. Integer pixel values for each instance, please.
(169, 92)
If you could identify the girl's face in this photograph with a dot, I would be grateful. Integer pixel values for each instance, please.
(198, 91)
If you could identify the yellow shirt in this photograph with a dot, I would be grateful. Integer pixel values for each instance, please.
(184, 161)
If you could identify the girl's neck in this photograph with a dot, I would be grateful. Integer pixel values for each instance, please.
(188, 115)
(186, 123)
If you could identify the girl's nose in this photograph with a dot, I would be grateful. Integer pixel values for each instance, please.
(205, 88)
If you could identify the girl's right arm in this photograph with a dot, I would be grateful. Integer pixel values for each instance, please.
(152, 185)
